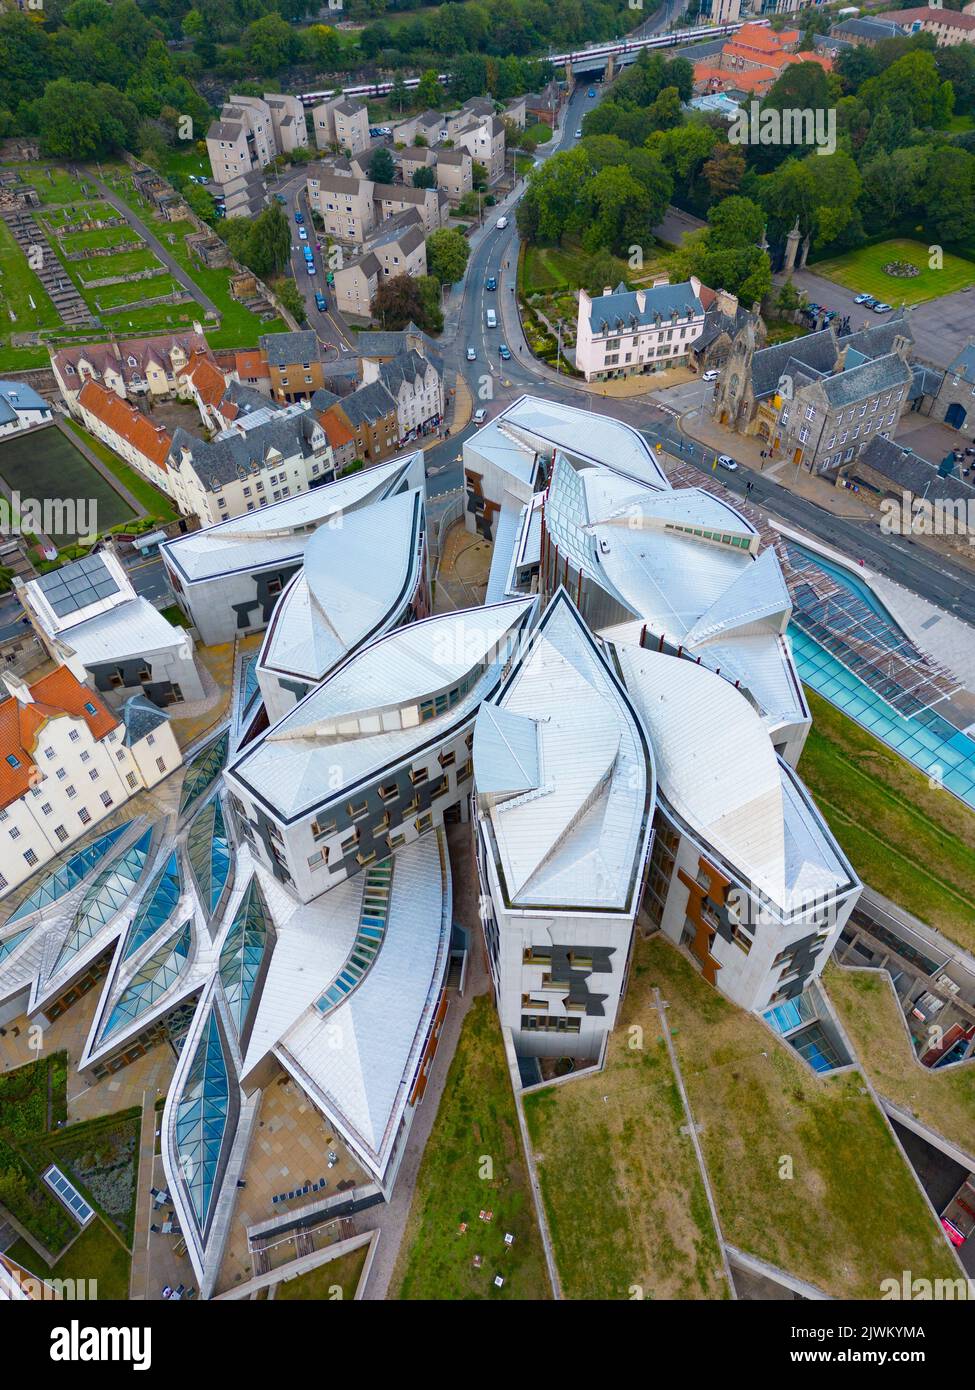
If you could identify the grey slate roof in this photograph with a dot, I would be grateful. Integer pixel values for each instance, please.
(716, 322)
(247, 398)
(406, 366)
(283, 349)
(221, 459)
(369, 404)
(621, 308)
(878, 339)
(140, 716)
(866, 28)
(909, 471)
(925, 381)
(390, 344)
(816, 350)
(323, 399)
(859, 383)
(964, 364)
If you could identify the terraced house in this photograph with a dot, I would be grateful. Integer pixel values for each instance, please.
(621, 331)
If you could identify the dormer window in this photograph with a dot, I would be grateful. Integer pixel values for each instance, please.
(14, 762)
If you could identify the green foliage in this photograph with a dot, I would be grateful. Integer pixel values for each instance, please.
(381, 166)
(264, 244)
(403, 298)
(424, 178)
(447, 255)
(290, 296)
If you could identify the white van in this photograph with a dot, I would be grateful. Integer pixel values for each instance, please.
(490, 318)
(502, 223)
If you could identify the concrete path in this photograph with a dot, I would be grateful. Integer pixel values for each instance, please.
(152, 241)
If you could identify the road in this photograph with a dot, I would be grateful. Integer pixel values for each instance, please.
(331, 332)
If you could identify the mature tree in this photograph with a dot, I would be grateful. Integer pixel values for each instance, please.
(598, 271)
(403, 299)
(290, 296)
(382, 169)
(270, 43)
(684, 148)
(949, 197)
(724, 171)
(322, 46)
(399, 95)
(76, 120)
(912, 84)
(735, 222)
(617, 212)
(199, 200)
(553, 200)
(665, 112)
(447, 254)
(429, 92)
(424, 177)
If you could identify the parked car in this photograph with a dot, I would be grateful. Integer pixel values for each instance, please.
(320, 302)
(591, 93)
(374, 131)
(726, 461)
(299, 218)
(881, 308)
(864, 299)
(504, 352)
(711, 375)
(501, 223)
(302, 234)
(491, 283)
(280, 198)
(479, 417)
(578, 132)
(471, 355)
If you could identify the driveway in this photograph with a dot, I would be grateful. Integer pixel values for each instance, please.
(941, 327)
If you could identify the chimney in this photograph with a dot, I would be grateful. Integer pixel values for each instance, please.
(607, 289)
(18, 688)
(727, 303)
(659, 280)
(641, 300)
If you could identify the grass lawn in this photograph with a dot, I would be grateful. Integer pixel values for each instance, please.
(95, 1255)
(53, 184)
(45, 464)
(910, 841)
(473, 1162)
(862, 270)
(871, 1015)
(126, 263)
(18, 285)
(238, 326)
(120, 297)
(547, 268)
(156, 504)
(804, 1170)
(81, 212)
(320, 1284)
(623, 1194)
(101, 236)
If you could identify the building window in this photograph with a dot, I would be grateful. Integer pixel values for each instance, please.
(322, 828)
(106, 799)
(424, 822)
(12, 760)
(160, 764)
(15, 832)
(61, 833)
(30, 856)
(86, 757)
(84, 815)
(73, 735)
(93, 774)
(131, 779)
(46, 808)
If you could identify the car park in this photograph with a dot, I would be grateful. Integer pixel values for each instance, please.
(504, 352)
(320, 301)
(479, 417)
(711, 375)
(471, 355)
(881, 308)
(726, 461)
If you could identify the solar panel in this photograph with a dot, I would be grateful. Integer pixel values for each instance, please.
(69, 1195)
(78, 585)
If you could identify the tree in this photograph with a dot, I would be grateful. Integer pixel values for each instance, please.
(429, 92)
(381, 166)
(735, 222)
(399, 95)
(724, 171)
(665, 111)
(290, 296)
(403, 299)
(599, 270)
(949, 197)
(75, 121)
(200, 201)
(618, 211)
(270, 43)
(447, 255)
(553, 200)
(424, 177)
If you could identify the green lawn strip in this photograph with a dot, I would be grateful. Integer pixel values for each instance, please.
(473, 1162)
(101, 1158)
(805, 1172)
(98, 238)
(30, 1096)
(126, 263)
(238, 326)
(328, 1283)
(868, 1008)
(155, 503)
(625, 1202)
(53, 184)
(863, 270)
(96, 1255)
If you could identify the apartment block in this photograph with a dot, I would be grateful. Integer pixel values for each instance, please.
(343, 122)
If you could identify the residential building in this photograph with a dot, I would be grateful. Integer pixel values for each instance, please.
(929, 500)
(342, 122)
(752, 60)
(416, 386)
(371, 414)
(483, 139)
(393, 199)
(287, 121)
(414, 157)
(543, 107)
(955, 401)
(455, 173)
(622, 332)
(515, 109)
(126, 431)
(947, 26)
(21, 408)
(818, 399)
(338, 429)
(720, 11)
(355, 286)
(430, 126)
(241, 144)
(132, 367)
(344, 203)
(228, 577)
(91, 621)
(294, 364)
(66, 766)
(266, 454)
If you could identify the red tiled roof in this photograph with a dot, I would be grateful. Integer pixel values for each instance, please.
(756, 36)
(54, 695)
(152, 441)
(250, 364)
(337, 429)
(954, 19)
(207, 378)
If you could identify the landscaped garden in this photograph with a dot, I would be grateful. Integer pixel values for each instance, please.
(804, 1170)
(863, 270)
(623, 1194)
(944, 1098)
(473, 1163)
(320, 1284)
(99, 1156)
(908, 839)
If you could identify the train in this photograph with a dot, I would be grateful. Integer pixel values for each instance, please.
(617, 48)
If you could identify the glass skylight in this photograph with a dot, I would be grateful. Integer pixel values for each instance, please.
(205, 1120)
(109, 893)
(373, 915)
(157, 906)
(203, 770)
(250, 938)
(152, 980)
(68, 874)
(10, 943)
(209, 852)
